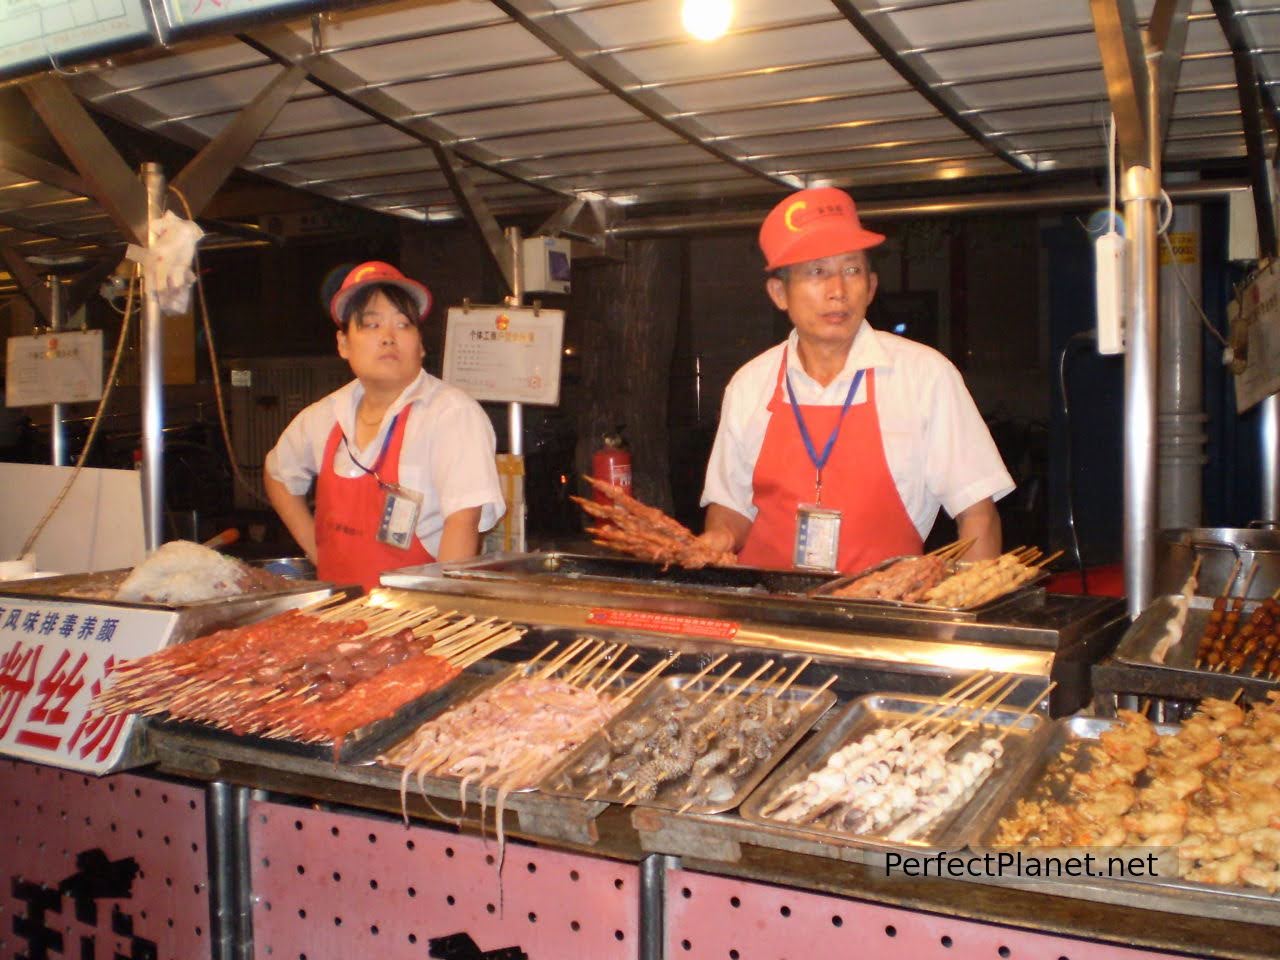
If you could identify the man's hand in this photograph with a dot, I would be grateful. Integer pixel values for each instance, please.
(726, 530)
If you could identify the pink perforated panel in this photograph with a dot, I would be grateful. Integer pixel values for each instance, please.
(332, 885)
(711, 917)
(51, 821)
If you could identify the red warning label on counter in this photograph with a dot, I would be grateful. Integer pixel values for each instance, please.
(672, 623)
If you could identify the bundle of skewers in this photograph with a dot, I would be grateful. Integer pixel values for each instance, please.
(901, 781)
(635, 528)
(938, 579)
(1227, 645)
(1207, 789)
(510, 734)
(313, 676)
(697, 741)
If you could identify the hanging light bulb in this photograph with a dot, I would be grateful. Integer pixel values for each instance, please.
(707, 19)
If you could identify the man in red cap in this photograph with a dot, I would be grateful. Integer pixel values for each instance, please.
(403, 463)
(836, 448)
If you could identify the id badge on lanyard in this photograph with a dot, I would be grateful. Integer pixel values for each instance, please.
(400, 509)
(817, 545)
(817, 538)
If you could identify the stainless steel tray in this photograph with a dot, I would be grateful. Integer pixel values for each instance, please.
(1201, 899)
(566, 781)
(477, 681)
(551, 568)
(1139, 641)
(1023, 594)
(953, 830)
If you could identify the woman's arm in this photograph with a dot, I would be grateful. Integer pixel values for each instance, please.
(460, 539)
(294, 512)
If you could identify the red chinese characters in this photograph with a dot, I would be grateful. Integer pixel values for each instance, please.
(46, 721)
(100, 732)
(17, 677)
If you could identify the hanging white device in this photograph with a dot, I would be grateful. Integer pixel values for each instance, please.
(1108, 253)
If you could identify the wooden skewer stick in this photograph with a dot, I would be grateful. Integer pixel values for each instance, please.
(814, 696)
(718, 681)
(647, 678)
(968, 706)
(609, 680)
(766, 687)
(800, 668)
(705, 670)
(565, 655)
(589, 659)
(724, 701)
(953, 696)
(1027, 711)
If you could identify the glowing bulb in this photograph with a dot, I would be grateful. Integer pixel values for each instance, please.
(707, 19)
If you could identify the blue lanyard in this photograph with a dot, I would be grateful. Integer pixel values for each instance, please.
(821, 461)
(382, 454)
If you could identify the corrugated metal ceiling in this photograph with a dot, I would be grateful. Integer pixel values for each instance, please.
(543, 100)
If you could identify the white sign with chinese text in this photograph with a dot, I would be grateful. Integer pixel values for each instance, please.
(1255, 337)
(62, 367)
(505, 354)
(55, 657)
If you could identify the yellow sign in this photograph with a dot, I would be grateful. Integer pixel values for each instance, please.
(1184, 248)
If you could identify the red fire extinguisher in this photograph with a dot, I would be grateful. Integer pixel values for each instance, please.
(612, 464)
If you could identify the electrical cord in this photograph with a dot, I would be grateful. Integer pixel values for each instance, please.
(1082, 336)
(93, 427)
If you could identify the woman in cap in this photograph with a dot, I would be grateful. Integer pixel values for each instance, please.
(403, 463)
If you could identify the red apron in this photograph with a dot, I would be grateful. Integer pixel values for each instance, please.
(348, 512)
(874, 524)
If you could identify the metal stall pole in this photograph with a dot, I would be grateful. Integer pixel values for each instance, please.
(515, 410)
(653, 904)
(1269, 438)
(57, 430)
(1141, 353)
(241, 869)
(152, 382)
(1182, 417)
(221, 847)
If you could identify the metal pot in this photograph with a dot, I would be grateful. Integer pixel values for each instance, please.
(292, 568)
(1256, 548)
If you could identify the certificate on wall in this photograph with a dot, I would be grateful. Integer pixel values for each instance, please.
(61, 367)
(505, 354)
(1255, 337)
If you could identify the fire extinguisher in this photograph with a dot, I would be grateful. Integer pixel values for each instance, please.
(612, 464)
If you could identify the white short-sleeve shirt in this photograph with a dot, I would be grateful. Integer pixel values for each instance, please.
(936, 444)
(447, 453)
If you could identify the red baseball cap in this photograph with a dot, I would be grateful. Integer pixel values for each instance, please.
(375, 271)
(810, 224)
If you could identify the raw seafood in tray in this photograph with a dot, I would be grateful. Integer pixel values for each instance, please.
(697, 743)
(901, 769)
(1209, 788)
(317, 677)
(508, 734)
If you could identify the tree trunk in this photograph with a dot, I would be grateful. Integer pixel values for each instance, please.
(629, 312)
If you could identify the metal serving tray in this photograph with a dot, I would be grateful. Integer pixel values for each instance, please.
(671, 795)
(578, 568)
(471, 685)
(954, 829)
(359, 746)
(1139, 641)
(1014, 598)
(1201, 899)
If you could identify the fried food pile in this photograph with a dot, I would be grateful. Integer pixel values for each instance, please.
(908, 580)
(1212, 791)
(646, 532)
(184, 572)
(938, 580)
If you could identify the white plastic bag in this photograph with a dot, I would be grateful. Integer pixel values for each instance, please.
(166, 265)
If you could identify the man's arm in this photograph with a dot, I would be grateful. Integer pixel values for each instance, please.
(460, 539)
(726, 529)
(981, 524)
(294, 512)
